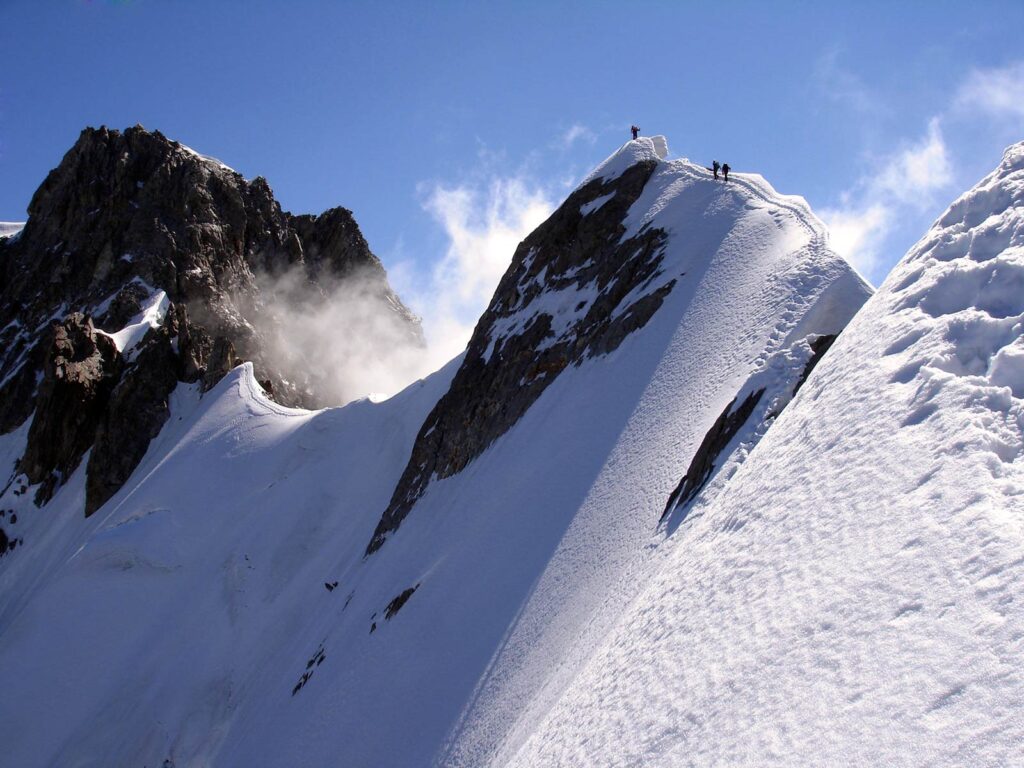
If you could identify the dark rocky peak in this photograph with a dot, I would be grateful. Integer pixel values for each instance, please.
(168, 252)
(331, 242)
(576, 288)
(136, 204)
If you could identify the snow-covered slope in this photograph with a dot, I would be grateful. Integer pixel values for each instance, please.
(11, 228)
(853, 595)
(221, 608)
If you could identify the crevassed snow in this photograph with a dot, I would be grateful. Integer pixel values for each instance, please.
(152, 315)
(852, 595)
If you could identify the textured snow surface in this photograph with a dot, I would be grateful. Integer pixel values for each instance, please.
(8, 228)
(219, 609)
(853, 595)
(630, 153)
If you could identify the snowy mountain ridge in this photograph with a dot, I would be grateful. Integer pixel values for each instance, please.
(594, 274)
(686, 498)
(875, 589)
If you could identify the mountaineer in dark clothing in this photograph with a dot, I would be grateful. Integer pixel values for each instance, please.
(635, 130)
(725, 171)
(715, 166)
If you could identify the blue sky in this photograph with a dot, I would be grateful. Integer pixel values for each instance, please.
(450, 128)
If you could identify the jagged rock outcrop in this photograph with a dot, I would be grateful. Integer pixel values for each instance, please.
(80, 370)
(717, 438)
(521, 344)
(331, 242)
(754, 408)
(137, 410)
(819, 346)
(125, 216)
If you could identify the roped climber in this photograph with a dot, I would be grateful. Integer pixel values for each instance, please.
(725, 171)
(715, 165)
(635, 130)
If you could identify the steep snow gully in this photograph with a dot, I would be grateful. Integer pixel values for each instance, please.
(701, 540)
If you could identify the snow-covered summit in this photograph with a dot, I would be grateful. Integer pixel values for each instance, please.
(642, 235)
(850, 596)
(644, 148)
(647, 150)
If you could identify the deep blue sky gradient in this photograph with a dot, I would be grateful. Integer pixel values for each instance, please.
(368, 105)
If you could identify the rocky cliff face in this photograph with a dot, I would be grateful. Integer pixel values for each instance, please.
(140, 266)
(596, 272)
(577, 286)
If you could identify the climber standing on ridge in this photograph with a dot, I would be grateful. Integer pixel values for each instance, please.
(725, 171)
(715, 165)
(635, 130)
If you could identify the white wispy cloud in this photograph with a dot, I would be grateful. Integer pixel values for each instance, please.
(915, 173)
(905, 180)
(997, 92)
(375, 352)
(484, 222)
(857, 231)
(840, 85)
(577, 132)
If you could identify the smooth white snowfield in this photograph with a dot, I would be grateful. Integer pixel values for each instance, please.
(188, 619)
(853, 596)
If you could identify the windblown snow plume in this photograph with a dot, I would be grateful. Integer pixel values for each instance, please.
(343, 338)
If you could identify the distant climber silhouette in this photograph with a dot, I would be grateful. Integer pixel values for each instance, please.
(635, 130)
(715, 165)
(725, 171)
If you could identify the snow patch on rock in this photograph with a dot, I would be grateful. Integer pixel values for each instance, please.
(154, 310)
(596, 203)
